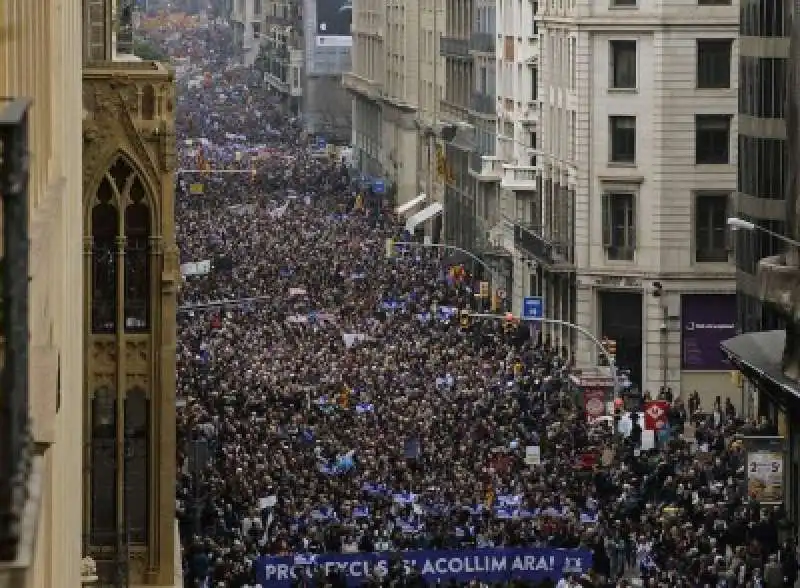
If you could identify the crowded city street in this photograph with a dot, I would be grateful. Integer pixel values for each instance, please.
(339, 424)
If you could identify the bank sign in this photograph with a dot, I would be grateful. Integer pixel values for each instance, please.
(485, 565)
(706, 321)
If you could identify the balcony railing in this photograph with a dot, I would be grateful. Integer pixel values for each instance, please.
(482, 103)
(15, 439)
(482, 42)
(452, 47)
(519, 177)
(530, 240)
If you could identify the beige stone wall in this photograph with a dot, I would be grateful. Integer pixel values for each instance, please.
(40, 58)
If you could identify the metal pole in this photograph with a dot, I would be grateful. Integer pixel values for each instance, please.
(588, 334)
(492, 274)
(783, 238)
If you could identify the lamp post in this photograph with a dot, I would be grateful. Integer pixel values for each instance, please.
(739, 223)
(494, 278)
(583, 331)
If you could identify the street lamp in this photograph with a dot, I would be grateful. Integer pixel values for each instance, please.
(583, 331)
(739, 223)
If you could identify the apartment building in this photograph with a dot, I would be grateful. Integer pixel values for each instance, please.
(282, 53)
(638, 124)
(246, 20)
(395, 82)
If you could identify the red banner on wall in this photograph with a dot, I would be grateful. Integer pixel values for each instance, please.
(594, 402)
(656, 414)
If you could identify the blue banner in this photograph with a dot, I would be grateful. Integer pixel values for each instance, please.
(463, 565)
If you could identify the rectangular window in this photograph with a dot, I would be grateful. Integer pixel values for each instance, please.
(711, 227)
(256, 30)
(623, 3)
(712, 138)
(534, 83)
(714, 63)
(256, 7)
(619, 225)
(713, 2)
(623, 64)
(622, 130)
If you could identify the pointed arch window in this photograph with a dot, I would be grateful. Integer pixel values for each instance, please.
(105, 230)
(137, 259)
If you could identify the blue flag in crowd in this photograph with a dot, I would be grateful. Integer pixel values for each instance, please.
(509, 500)
(589, 518)
(361, 512)
(363, 407)
(374, 489)
(404, 497)
(323, 513)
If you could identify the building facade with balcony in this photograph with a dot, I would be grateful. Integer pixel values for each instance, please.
(42, 292)
(246, 18)
(638, 125)
(395, 82)
(130, 278)
(282, 53)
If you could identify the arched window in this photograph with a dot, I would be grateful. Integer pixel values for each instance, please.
(103, 531)
(137, 463)
(104, 260)
(137, 260)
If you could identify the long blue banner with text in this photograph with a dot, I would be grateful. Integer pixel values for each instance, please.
(488, 565)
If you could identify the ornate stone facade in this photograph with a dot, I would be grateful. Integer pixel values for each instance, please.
(129, 316)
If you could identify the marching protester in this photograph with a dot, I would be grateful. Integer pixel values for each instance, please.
(341, 424)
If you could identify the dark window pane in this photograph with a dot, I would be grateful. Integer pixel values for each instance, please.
(623, 139)
(765, 18)
(104, 469)
(714, 63)
(104, 261)
(623, 64)
(762, 167)
(712, 138)
(137, 462)
(762, 86)
(137, 261)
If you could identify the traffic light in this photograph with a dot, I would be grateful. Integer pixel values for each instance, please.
(610, 347)
(509, 324)
(465, 320)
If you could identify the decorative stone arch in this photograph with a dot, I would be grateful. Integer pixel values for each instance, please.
(120, 198)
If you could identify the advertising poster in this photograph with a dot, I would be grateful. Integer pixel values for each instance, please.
(706, 321)
(765, 461)
(594, 401)
(333, 23)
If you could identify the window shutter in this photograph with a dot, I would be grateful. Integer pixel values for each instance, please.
(606, 220)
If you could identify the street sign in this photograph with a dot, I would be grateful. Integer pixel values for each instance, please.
(533, 307)
(321, 143)
(378, 186)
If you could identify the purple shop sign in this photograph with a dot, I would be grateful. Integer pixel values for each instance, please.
(706, 321)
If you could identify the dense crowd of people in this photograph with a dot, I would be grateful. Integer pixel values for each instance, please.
(332, 401)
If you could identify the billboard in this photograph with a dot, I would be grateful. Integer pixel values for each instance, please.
(333, 23)
(706, 321)
(463, 565)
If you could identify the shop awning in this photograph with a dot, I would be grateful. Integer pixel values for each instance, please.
(423, 215)
(403, 208)
(758, 355)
